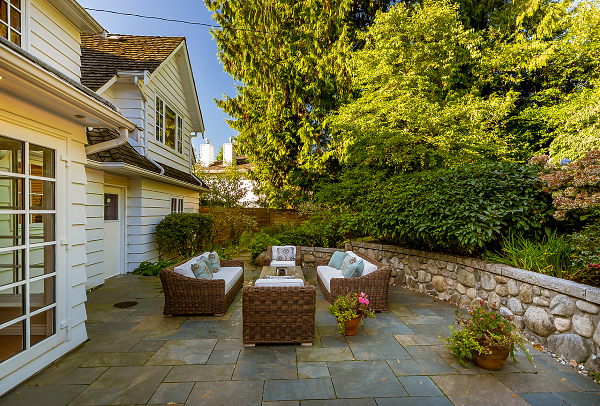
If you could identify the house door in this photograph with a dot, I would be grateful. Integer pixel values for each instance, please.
(114, 231)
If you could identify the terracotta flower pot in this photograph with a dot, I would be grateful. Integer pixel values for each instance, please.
(493, 361)
(351, 326)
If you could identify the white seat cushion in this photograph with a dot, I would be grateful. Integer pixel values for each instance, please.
(326, 273)
(368, 267)
(186, 269)
(283, 263)
(230, 274)
(279, 282)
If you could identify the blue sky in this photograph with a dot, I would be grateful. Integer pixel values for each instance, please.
(211, 80)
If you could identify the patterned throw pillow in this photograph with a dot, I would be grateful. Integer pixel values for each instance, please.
(287, 253)
(212, 259)
(351, 267)
(201, 270)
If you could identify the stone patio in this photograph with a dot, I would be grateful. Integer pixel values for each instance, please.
(136, 356)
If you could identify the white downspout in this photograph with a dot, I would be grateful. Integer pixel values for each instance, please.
(137, 83)
(103, 146)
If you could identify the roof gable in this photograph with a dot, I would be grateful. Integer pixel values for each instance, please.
(102, 58)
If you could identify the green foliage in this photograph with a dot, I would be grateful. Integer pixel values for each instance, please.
(460, 210)
(226, 189)
(229, 223)
(260, 243)
(482, 330)
(183, 233)
(350, 306)
(586, 256)
(148, 268)
(550, 255)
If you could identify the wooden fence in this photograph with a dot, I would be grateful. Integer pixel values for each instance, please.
(263, 218)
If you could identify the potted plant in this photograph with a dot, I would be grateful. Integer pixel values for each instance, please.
(487, 337)
(349, 310)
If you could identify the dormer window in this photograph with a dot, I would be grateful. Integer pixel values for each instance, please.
(10, 20)
(169, 126)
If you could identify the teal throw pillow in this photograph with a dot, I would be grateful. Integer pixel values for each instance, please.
(337, 259)
(201, 269)
(212, 259)
(351, 267)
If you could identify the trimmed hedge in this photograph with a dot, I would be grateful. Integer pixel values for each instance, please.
(183, 233)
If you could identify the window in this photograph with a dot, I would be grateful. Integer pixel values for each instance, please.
(10, 20)
(111, 206)
(169, 126)
(176, 205)
(27, 245)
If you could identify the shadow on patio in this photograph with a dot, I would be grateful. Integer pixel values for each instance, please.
(136, 356)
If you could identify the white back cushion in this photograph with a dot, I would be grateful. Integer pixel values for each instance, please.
(368, 267)
(283, 253)
(279, 282)
(186, 269)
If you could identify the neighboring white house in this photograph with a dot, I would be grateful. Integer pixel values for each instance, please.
(208, 164)
(84, 173)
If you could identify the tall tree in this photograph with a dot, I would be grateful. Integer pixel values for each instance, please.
(290, 57)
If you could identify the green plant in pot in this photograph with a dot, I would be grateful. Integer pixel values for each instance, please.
(350, 310)
(486, 337)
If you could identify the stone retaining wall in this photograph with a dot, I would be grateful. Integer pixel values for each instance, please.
(311, 254)
(560, 315)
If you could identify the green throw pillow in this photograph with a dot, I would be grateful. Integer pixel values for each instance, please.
(201, 270)
(350, 267)
(337, 259)
(212, 259)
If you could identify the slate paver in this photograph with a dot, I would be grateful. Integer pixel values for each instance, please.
(416, 339)
(259, 363)
(350, 379)
(333, 342)
(229, 344)
(111, 326)
(431, 366)
(160, 322)
(380, 347)
(182, 352)
(59, 370)
(147, 345)
(414, 401)
(83, 376)
(537, 382)
(565, 371)
(169, 393)
(192, 325)
(200, 373)
(477, 389)
(543, 399)
(41, 395)
(580, 398)
(420, 386)
(312, 370)
(298, 389)
(118, 359)
(282, 403)
(109, 314)
(123, 385)
(113, 341)
(171, 335)
(324, 354)
(223, 357)
(220, 329)
(227, 393)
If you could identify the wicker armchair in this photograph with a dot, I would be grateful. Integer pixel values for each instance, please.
(375, 285)
(185, 295)
(278, 315)
(269, 256)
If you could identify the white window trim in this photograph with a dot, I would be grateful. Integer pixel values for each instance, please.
(178, 117)
(180, 204)
(24, 13)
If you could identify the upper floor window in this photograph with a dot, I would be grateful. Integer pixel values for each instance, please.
(169, 126)
(10, 20)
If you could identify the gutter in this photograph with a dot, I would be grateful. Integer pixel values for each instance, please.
(103, 146)
(143, 172)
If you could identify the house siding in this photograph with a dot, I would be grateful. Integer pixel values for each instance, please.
(53, 39)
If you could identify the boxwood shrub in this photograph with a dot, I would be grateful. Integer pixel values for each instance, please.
(183, 234)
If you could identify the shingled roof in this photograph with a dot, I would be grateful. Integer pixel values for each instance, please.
(102, 58)
(127, 154)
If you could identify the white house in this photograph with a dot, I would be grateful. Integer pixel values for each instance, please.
(95, 149)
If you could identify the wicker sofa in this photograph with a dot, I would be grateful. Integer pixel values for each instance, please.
(375, 284)
(185, 295)
(269, 257)
(278, 315)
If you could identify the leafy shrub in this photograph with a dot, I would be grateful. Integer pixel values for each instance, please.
(147, 268)
(460, 210)
(183, 233)
(260, 243)
(575, 187)
(586, 247)
(551, 255)
(229, 223)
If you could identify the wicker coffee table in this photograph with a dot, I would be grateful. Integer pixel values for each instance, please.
(295, 271)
